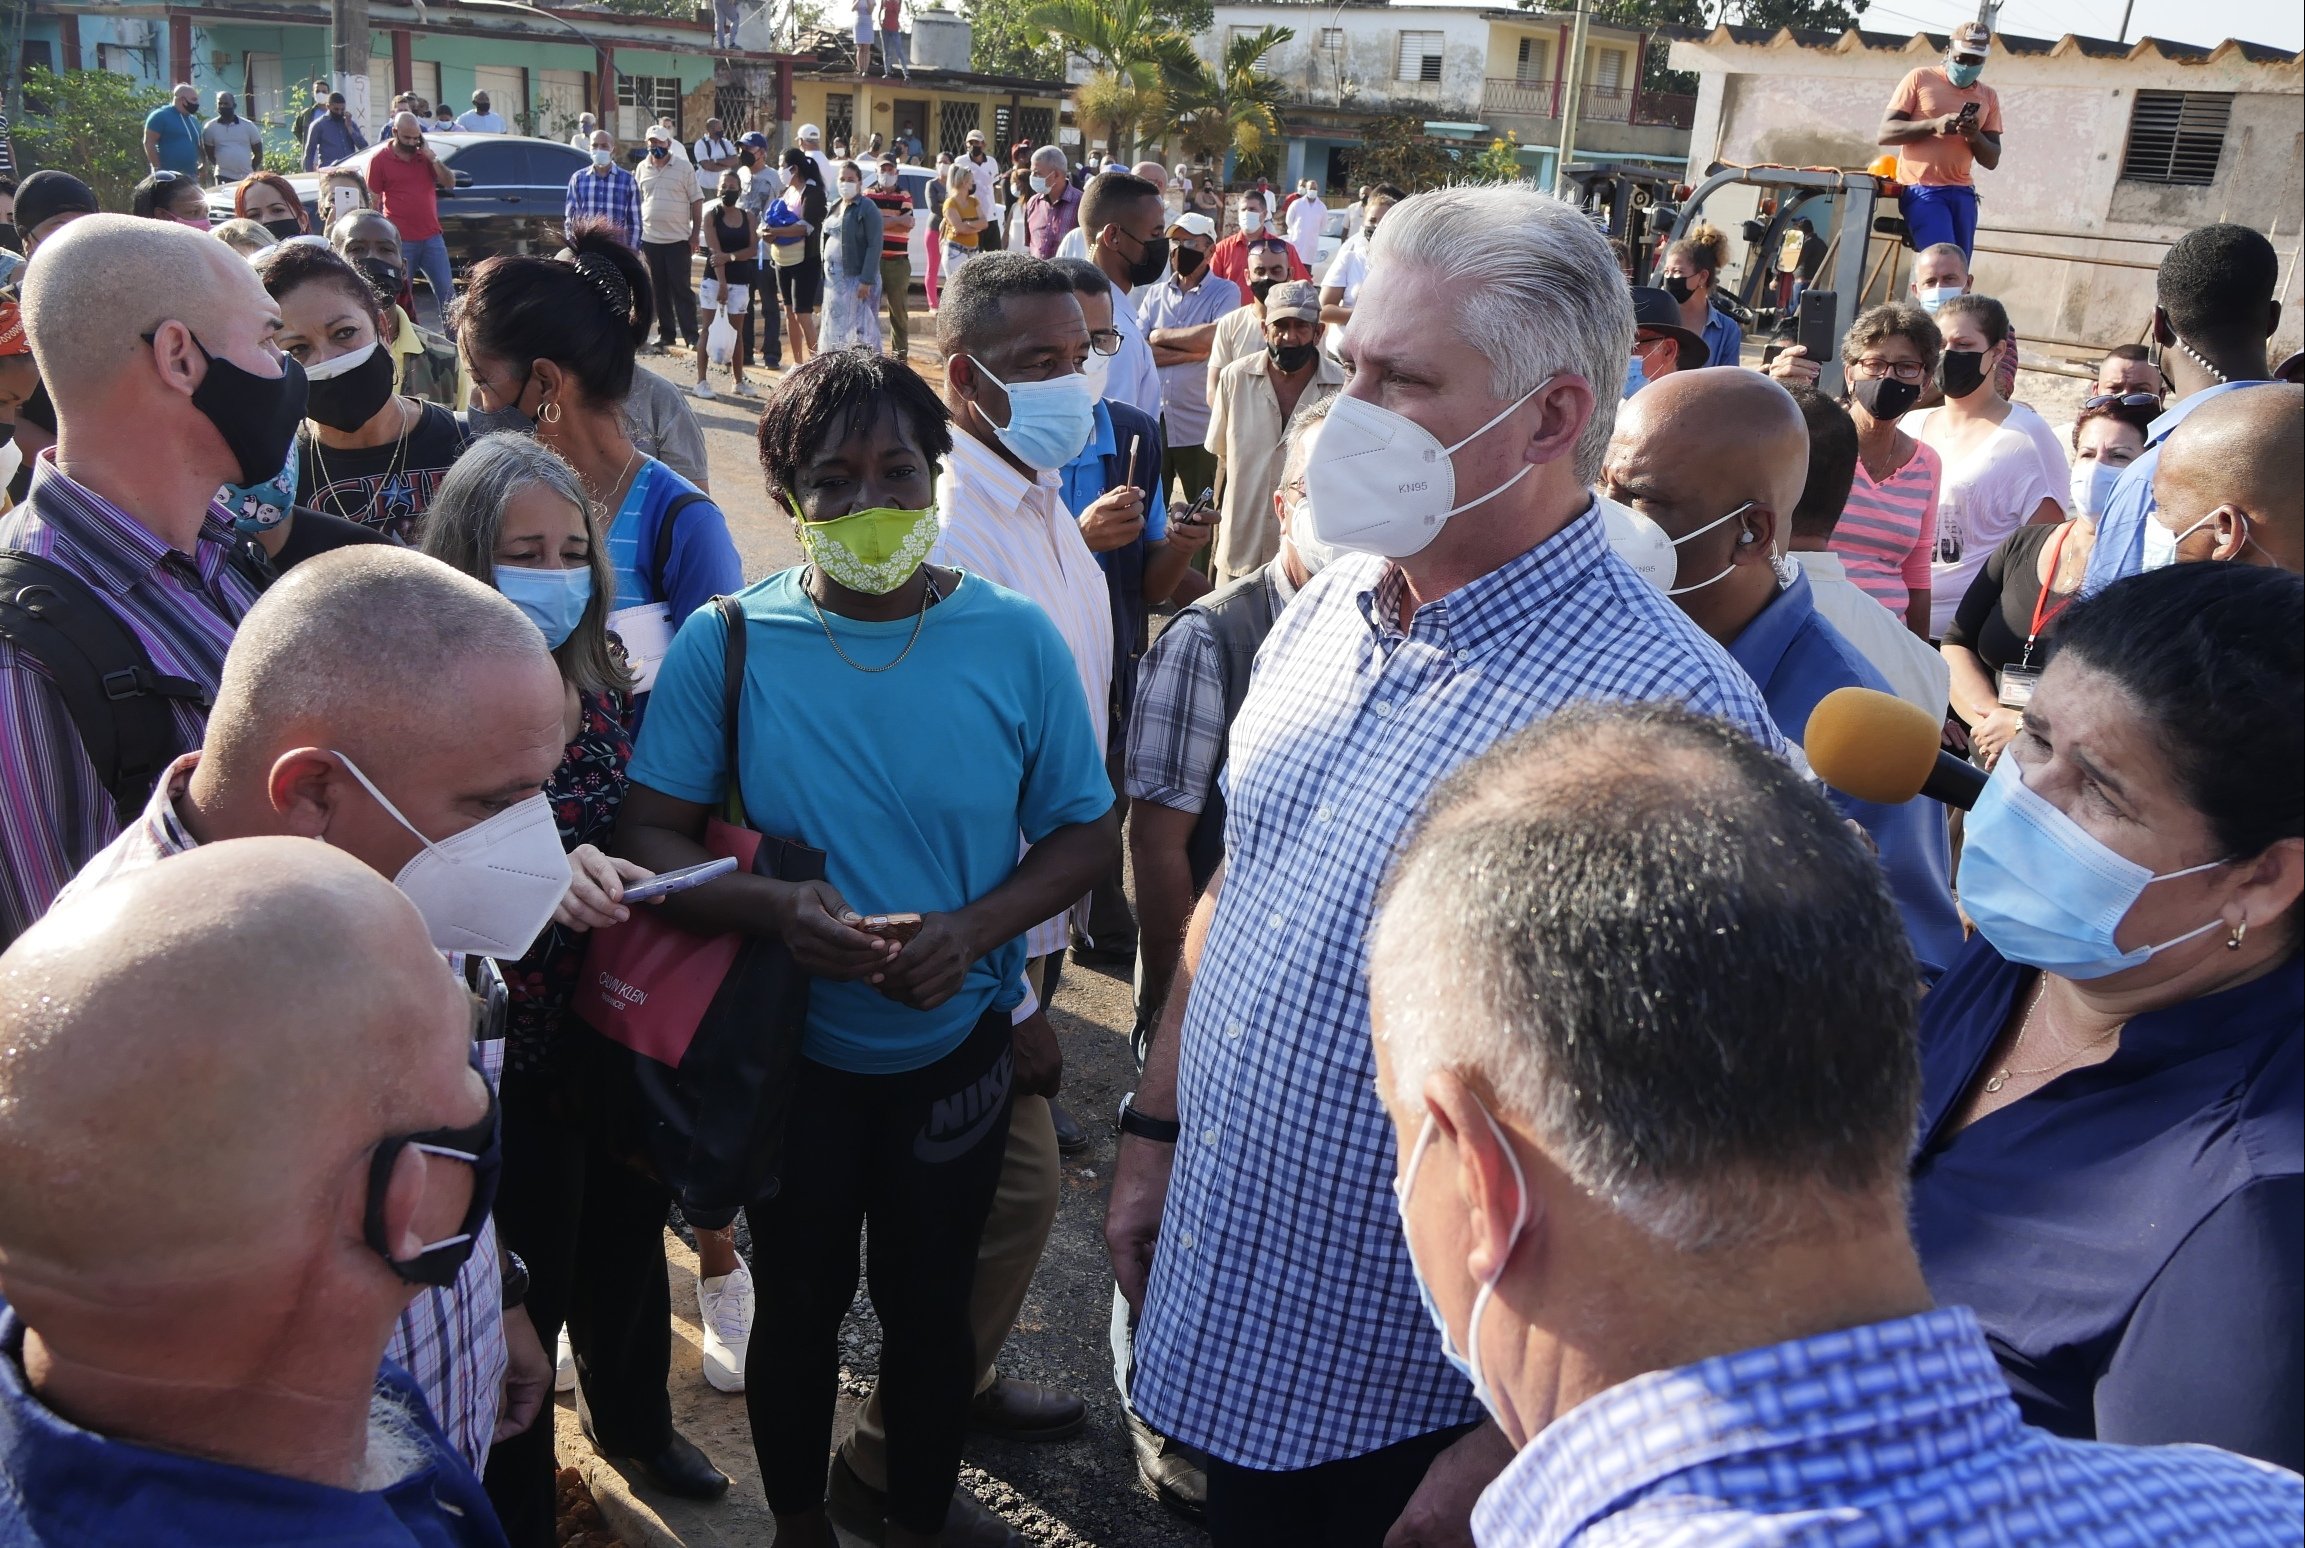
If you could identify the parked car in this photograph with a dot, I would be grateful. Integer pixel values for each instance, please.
(1333, 238)
(511, 192)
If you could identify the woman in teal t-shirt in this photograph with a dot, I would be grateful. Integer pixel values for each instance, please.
(911, 722)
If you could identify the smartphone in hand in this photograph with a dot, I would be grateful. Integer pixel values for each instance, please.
(899, 928)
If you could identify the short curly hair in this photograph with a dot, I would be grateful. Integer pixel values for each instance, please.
(836, 392)
(1897, 320)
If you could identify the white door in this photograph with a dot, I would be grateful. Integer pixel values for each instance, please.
(559, 99)
(505, 85)
(263, 98)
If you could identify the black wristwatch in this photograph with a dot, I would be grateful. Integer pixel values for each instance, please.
(515, 1279)
(1161, 1131)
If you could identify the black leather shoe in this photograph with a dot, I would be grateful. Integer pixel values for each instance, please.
(1026, 1411)
(678, 1469)
(860, 1510)
(1071, 1138)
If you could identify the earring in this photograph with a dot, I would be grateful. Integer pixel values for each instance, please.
(2233, 941)
(550, 413)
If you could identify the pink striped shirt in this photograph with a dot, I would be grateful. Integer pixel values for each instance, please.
(1885, 530)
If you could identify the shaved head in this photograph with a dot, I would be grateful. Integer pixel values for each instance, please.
(105, 281)
(1738, 432)
(196, 1058)
(406, 123)
(2244, 450)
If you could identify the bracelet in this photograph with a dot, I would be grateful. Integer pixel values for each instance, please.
(1161, 1131)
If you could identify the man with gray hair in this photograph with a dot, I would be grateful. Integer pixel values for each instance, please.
(1257, 399)
(1645, 1030)
(155, 345)
(1252, 1217)
(1053, 212)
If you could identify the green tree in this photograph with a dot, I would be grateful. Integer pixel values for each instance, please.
(1001, 42)
(1500, 163)
(1397, 150)
(90, 122)
(1805, 15)
(1131, 47)
(1234, 106)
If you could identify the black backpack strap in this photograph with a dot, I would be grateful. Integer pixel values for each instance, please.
(664, 543)
(119, 703)
(731, 688)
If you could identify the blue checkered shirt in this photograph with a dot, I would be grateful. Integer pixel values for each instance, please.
(612, 196)
(1888, 1434)
(1282, 1327)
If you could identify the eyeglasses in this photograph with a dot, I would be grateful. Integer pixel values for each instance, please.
(1903, 370)
(2125, 399)
(1105, 341)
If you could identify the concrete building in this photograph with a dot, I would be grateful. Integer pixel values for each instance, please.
(940, 106)
(1472, 74)
(2110, 153)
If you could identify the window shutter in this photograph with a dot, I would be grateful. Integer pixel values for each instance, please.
(2177, 137)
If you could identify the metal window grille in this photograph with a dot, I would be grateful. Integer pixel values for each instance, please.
(839, 118)
(2177, 136)
(1037, 125)
(655, 96)
(953, 122)
(1420, 57)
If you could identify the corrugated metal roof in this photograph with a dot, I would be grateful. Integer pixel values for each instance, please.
(2006, 42)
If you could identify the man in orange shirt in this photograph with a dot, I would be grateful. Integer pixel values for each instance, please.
(1941, 122)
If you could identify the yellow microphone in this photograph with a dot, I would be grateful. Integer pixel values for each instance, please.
(1878, 748)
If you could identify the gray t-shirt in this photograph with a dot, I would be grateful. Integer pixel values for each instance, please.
(657, 417)
(235, 147)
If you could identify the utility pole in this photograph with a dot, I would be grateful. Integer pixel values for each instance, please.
(2126, 8)
(348, 58)
(1573, 83)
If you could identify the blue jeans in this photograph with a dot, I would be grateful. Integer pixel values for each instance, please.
(892, 51)
(430, 259)
(1940, 212)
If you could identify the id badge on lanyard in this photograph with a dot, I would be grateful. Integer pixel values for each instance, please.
(2015, 684)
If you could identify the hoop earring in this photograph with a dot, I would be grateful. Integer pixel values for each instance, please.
(549, 413)
(2240, 931)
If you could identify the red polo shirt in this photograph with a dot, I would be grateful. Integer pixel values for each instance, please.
(406, 193)
(1231, 258)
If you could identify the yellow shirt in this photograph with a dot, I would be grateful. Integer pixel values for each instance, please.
(960, 205)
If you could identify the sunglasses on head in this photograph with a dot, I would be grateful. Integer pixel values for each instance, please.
(2125, 399)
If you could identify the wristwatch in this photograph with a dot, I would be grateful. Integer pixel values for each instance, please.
(1161, 1131)
(515, 1279)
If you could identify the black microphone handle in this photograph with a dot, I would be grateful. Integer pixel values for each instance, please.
(1955, 781)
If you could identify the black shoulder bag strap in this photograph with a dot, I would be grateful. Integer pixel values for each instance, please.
(119, 703)
(731, 691)
(664, 569)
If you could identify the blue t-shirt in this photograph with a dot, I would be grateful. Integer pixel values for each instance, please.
(703, 563)
(915, 782)
(179, 138)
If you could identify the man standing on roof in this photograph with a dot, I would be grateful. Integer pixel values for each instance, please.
(1941, 122)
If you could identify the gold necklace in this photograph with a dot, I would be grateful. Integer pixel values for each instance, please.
(928, 593)
(391, 464)
(2006, 1073)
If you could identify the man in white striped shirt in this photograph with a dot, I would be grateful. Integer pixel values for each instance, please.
(1014, 345)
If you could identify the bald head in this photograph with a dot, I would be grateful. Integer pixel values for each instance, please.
(1152, 172)
(370, 650)
(196, 1058)
(1735, 431)
(2241, 451)
(405, 126)
(105, 281)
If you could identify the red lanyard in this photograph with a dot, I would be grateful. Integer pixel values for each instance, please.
(2041, 601)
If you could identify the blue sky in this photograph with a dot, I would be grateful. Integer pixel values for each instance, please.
(2279, 22)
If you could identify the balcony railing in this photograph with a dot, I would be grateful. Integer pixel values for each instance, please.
(1534, 97)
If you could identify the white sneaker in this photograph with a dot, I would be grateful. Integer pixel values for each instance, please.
(725, 1305)
(704, 390)
(564, 1366)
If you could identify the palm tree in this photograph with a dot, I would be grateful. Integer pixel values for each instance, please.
(1125, 43)
(1234, 105)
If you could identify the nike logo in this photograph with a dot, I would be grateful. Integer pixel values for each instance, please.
(957, 1124)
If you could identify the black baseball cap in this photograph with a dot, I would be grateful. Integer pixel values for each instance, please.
(1656, 311)
(49, 193)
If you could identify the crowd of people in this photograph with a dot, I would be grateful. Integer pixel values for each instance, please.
(1560, 1117)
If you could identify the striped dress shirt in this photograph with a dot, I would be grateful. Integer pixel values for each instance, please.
(1017, 533)
(54, 812)
(1888, 1435)
(1282, 1327)
(1887, 529)
(451, 1341)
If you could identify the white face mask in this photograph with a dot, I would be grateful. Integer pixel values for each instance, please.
(1252, 221)
(1935, 296)
(1039, 183)
(1098, 370)
(1468, 1360)
(850, 188)
(1641, 543)
(1312, 553)
(888, 179)
(1380, 483)
(491, 889)
(2093, 483)
(2161, 543)
(602, 158)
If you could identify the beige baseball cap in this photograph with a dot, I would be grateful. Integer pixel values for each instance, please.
(1293, 298)
(1972, 41)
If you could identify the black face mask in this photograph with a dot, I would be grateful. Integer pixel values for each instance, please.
(1152, 261)
(1961, 372)
(283, 229)
(1189, 261)
(383, 277)
(256, 415)
(481, 1145)
(8, 237)
(1261, 288)
(728, 198)
(1884, 397)
(1368, 233)
(1678, 288)
(1291, 357)
(349, 401)
(39, 409)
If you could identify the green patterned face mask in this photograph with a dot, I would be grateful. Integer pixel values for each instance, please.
(872, 552)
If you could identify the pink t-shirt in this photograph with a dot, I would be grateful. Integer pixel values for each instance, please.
(1886, 529)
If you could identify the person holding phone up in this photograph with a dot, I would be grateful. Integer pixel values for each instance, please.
(1941, 122)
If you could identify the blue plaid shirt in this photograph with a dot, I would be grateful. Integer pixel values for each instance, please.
(1282, 1327)
(612, 196)
(1892, 1433)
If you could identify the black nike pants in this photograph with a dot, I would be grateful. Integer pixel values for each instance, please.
(914, 1156)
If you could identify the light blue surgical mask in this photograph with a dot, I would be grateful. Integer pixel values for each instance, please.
(554, 600)
(1048, 422)
(1964, 74)
(1467, 1361)
(261, 507)
(2092, 486)
(2046, 893)
(1932, 297)
(1636, 376)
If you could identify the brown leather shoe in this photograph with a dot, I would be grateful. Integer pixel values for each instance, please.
(1026, 1411)
(860, 1510)
(1177, 1474)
